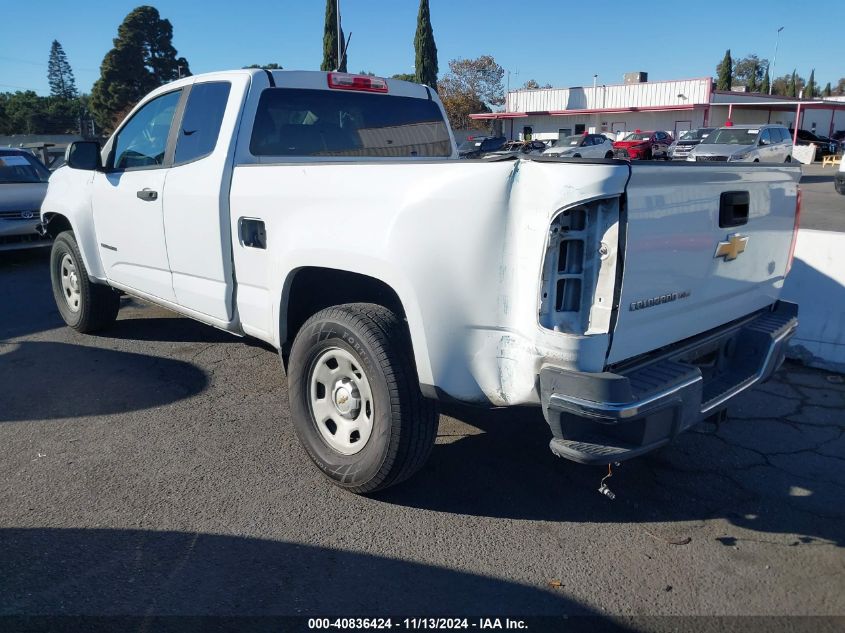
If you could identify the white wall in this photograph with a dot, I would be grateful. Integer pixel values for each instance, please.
(817, 284)
(546, 127)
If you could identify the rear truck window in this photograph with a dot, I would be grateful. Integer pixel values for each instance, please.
(299, 122)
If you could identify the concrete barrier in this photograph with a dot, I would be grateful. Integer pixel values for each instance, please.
(805, 154)
(817, 284)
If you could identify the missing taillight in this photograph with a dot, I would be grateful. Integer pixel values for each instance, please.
(571, 257)
(568, 296)
(794, 231)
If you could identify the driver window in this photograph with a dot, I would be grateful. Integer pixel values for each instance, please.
(142, 142)
(765, 139)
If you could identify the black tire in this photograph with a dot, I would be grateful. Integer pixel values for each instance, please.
(609, 155)
(788, 159)
(96, 306)
(648, 155)
(576, 156)
(404, 423)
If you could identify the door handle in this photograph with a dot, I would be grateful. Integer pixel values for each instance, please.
(147, 194)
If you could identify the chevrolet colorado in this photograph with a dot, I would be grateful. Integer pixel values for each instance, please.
(328, 215)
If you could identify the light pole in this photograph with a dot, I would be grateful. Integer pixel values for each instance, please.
(774, 61)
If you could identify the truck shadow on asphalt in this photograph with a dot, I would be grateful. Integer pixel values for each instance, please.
(145, 574)
(87, 381)
(508, 471)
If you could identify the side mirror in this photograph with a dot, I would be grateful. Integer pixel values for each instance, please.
(84, 155)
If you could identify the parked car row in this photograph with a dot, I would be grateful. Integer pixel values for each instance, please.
(23, 185)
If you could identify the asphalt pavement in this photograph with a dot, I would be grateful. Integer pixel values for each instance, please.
(821, 208)
(153, 470)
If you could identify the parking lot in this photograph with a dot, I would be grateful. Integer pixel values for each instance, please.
(153, 470)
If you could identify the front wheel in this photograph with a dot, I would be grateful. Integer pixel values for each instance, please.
(355, 398)
(84, 306)
(788, 159)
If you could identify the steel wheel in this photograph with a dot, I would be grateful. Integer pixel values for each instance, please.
(70, 282)
(341, 401)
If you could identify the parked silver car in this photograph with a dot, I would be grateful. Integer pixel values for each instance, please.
(23, 185)
(745, 143)
(582, 146)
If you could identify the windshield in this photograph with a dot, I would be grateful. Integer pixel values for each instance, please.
(696, 135)
(732, 136)
(571, 141)
(638, 136)
(20, 168)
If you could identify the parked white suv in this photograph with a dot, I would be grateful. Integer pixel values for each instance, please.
(746, 144)
(582, 146)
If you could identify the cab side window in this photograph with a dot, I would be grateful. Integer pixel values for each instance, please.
(765, 138)
(142, 142)
(201, 123)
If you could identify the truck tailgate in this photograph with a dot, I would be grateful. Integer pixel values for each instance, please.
(674, 285)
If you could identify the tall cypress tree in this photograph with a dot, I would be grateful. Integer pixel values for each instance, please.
(767, 82)
(724, 71)
(425, 48)
(791, 86)
(827, 90)
(810, 90)
(59, 73)
(330, 39)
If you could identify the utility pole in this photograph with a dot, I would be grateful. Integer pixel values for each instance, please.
(774, 60)
(515, 73)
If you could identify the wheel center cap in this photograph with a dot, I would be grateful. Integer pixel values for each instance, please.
(346, 398)
(74, 282)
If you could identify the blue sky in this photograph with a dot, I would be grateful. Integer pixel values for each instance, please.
(541, 39)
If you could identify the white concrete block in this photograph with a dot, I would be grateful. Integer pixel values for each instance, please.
(817, 284)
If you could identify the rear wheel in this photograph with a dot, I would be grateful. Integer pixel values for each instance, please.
(788, 159)
(355, 397)
(609, 155)
(576, 156)
(84, 306)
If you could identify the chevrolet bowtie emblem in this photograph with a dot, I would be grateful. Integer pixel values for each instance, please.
(731, 249)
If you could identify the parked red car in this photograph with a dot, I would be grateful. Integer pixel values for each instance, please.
(644, 145)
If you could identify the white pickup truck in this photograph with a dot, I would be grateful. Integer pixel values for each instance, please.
(328, 215)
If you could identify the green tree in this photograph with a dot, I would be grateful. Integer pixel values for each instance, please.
(405, 76)
(60, 74)
(810, 90)
(426, 50)
(24, 112)
(330, 40)
(827, 90)
(792, 85)
(532, 84)
(749, 71)
(724, 72)
(840, 87)
(471, 86)
(265, 66)
(766, 83)
(142, 59)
